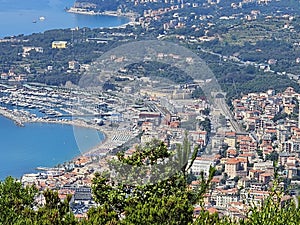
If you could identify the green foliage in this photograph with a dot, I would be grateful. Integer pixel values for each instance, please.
(198, 93)
(142, 166)
(273, 156)
(151, 152)
(170, 209)
(280, 116)
(16, 202)
(273, 212)
(159, 69)
(17, 206)
(206, 111)
(55, 211)
(102, 215)
(207, 218)
(206, 125)
(167, 201)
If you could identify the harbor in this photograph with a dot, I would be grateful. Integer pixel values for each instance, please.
(32, 103)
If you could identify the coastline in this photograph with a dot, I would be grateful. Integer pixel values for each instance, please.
(9, 115)
(110, 136)
(82, 11)
(21, 121)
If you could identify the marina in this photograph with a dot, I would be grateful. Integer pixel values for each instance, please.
(87, 116)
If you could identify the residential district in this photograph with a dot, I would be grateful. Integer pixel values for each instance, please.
(245, 160)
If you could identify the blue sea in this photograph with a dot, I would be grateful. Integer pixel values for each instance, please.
(23, 149)
(23, 17)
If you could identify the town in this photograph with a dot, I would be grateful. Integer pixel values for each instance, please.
(245, 161)
(251, 134)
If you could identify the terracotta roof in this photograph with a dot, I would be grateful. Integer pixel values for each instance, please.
(231, 151)
(230, 134)
(265, 175)
(246, 154)
(244, 160)
(212, 210)
(215, 180)
(232, 161)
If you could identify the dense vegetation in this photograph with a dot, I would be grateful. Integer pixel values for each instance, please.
(122, 5)
(256, 41)
(236, 79)
(290, 6)
(82, 47)
(158, 69)
(167, 201)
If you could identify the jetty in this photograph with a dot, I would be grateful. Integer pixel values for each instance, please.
(10, 114)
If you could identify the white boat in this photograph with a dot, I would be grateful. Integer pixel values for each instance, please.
(42, 18)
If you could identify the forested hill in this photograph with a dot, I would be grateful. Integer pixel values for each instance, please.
(125, 6)
(100, 5)
(138, 6)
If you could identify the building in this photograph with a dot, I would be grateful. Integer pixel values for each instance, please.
(232, 165)
(223, 198)
(26, 50)
(202, 165)
(74, 65)
(230, 139)
(147, 126)
(59, 44)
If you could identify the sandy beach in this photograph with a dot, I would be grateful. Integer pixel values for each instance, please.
(112, 137)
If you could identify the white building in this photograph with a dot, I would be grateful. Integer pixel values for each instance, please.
(201, 164)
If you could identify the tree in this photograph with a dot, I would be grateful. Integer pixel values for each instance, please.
(274, 211)
(17, 206)
(165, 201)
(55, 211)
(273, 156)
(206, 125)
(16, 201)
(198, 93)
(206, 111)
(102, 215)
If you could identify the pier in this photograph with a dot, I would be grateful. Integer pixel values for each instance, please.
(12, 116)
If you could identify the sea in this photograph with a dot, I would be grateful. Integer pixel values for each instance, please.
(23, 149)
(34, 16)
